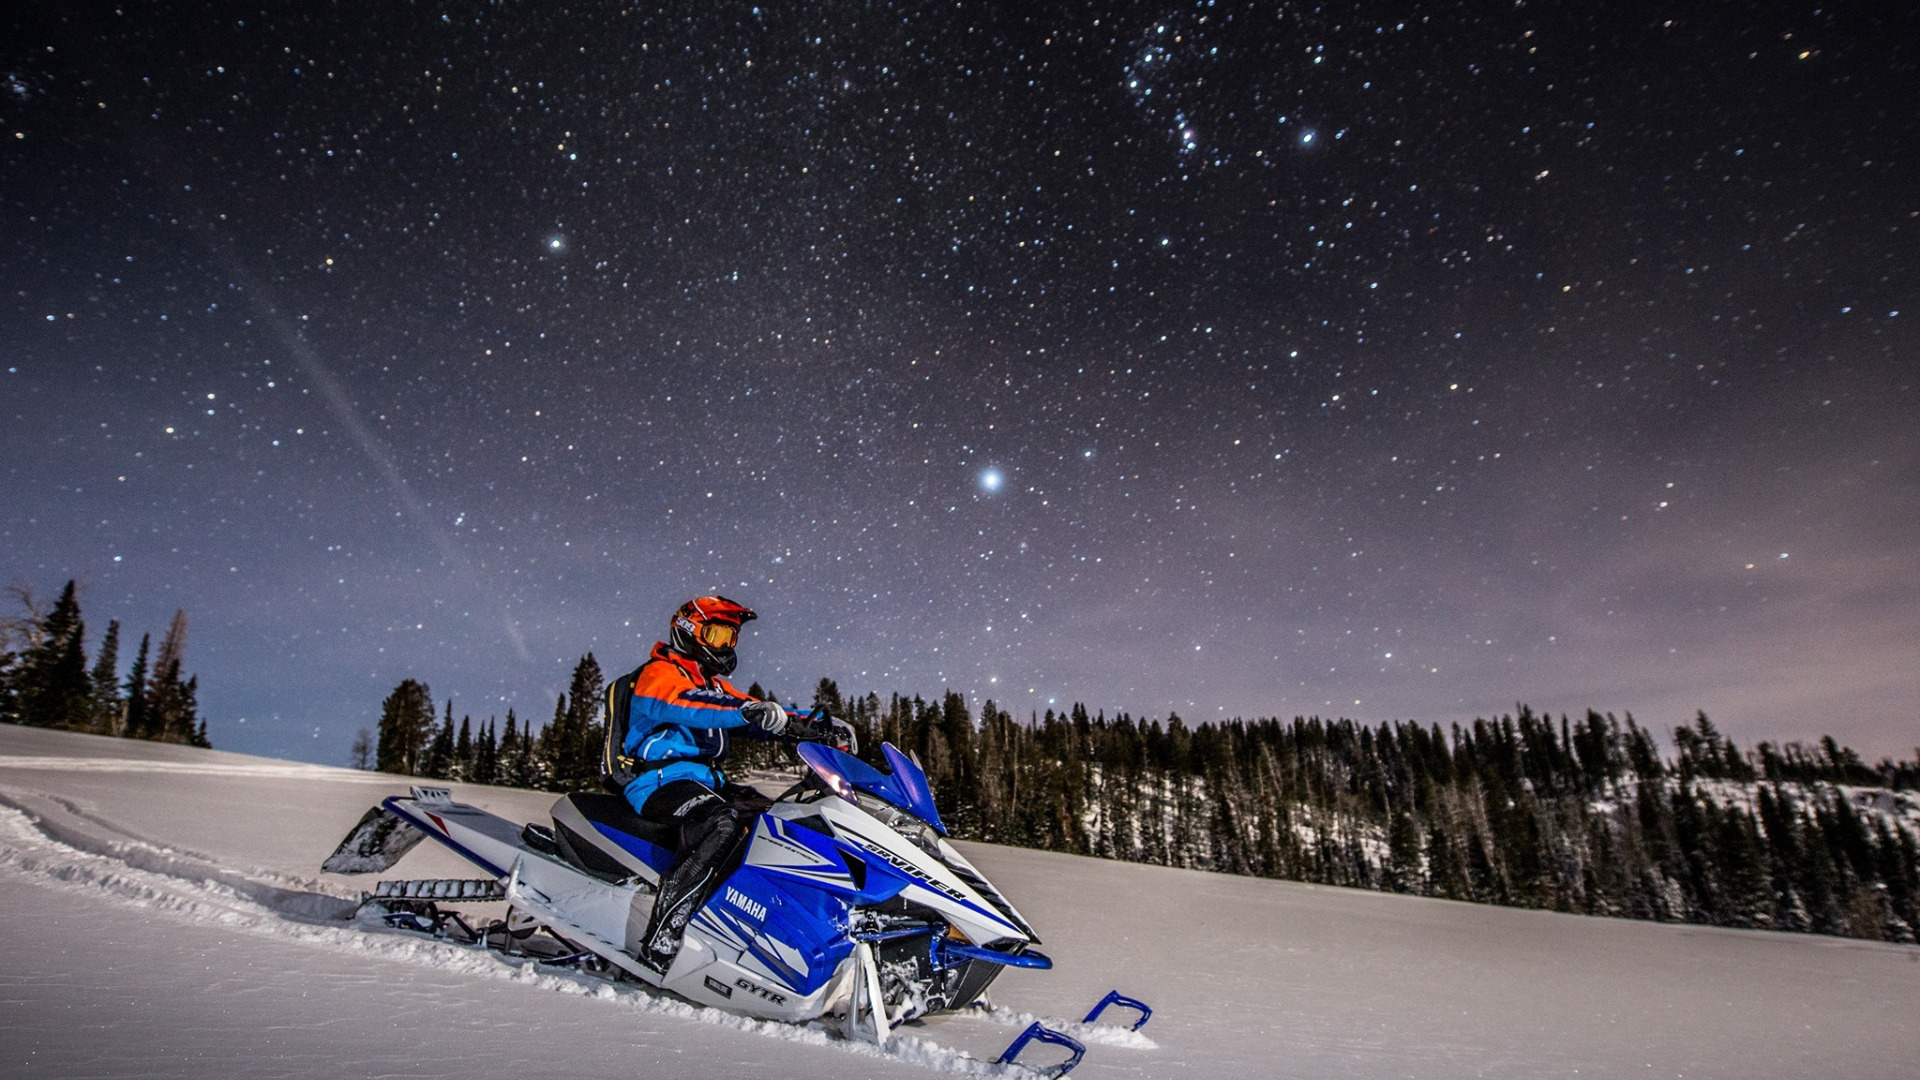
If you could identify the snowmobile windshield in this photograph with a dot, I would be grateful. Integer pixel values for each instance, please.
(905, 787)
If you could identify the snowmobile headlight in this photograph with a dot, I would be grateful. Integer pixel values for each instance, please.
(929, 841)
(835, 782)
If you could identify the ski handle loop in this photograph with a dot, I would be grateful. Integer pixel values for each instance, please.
(1115, 997)
(1039, 1032)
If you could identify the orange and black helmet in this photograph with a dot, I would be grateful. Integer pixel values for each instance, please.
(705, 629)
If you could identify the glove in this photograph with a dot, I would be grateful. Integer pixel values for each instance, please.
(768, 716)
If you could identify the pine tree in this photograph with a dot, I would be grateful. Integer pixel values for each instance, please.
(406, 722)
(173, 705)
(47, 686)
(826, 697)
(586, 696)
(139, 695)
(104, 695)
(517, 766)
(554, 748)
(1403, 854)
(956, 747)
(486, 756)
(462, 750)
(192, 725)
(1742, 858)
(505, 753)
(437, 761)
(1446, 876)
(525, 768)
(568, 750)
(68, 688)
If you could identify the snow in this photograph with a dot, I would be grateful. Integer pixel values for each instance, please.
(166, 918)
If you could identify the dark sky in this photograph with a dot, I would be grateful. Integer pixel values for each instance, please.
(1391, 361)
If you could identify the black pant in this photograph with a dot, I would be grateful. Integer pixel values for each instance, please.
(712, 826)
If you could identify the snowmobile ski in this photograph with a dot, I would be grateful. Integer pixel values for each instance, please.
(1115, 997)
(1041, 1033)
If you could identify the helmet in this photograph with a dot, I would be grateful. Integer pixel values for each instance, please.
(704, 630)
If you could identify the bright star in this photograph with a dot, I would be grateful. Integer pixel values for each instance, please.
(556, 243)
(990, 479)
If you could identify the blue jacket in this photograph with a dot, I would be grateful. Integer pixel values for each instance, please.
(677, 725)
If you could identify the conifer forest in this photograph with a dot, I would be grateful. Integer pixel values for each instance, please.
(1584, 815)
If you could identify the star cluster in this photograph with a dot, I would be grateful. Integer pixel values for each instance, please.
(1233, 359)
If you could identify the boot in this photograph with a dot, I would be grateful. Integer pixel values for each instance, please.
(688, 884)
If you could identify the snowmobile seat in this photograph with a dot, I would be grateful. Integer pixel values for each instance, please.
(602, 835)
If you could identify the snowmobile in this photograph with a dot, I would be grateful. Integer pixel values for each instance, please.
(847, 901)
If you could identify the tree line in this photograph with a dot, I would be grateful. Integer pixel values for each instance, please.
(1586, 815)
(564, 755)
(47, 681)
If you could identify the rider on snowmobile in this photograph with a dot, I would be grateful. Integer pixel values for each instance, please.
(681, 709)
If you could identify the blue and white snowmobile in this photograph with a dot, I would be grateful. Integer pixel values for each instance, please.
(848, 902)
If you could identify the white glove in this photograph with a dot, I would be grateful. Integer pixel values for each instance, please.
(768, 716)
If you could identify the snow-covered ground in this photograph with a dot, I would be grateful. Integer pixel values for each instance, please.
(164, 917)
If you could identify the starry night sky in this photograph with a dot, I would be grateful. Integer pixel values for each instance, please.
(1391, 361)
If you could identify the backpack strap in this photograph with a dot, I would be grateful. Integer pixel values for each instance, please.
(617, 770)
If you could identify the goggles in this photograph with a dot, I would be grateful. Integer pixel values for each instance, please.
(718, 635)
